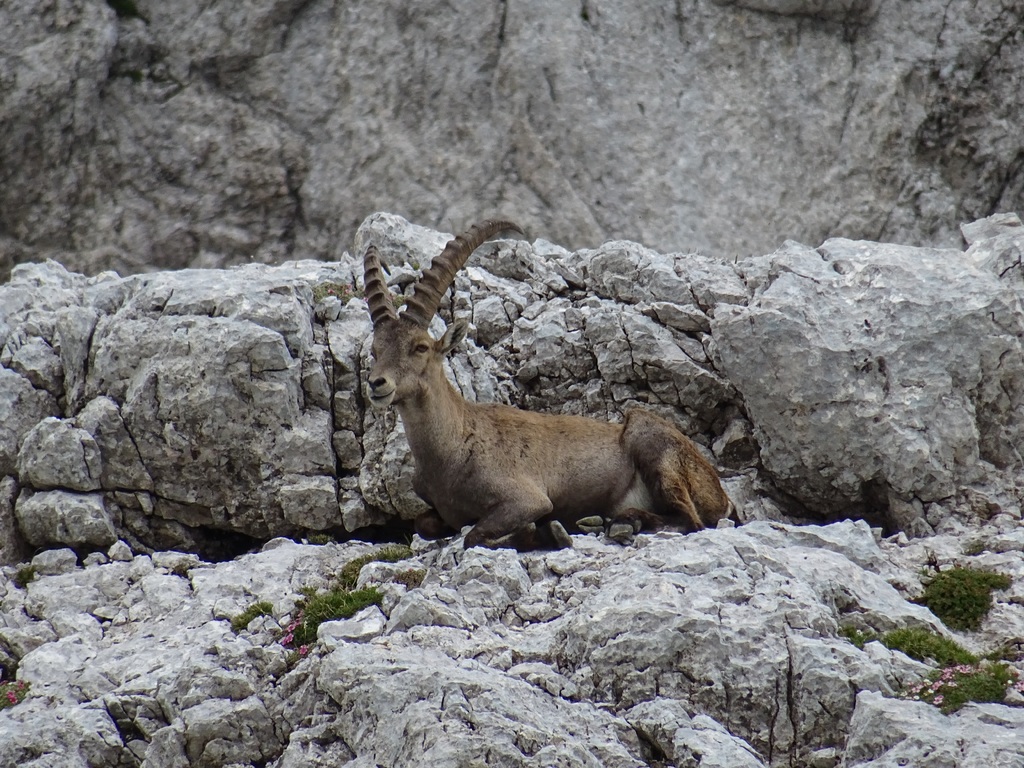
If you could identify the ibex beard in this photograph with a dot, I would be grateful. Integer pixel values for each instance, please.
(521, 479)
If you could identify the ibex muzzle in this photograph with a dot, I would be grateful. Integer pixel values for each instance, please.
(504, 470)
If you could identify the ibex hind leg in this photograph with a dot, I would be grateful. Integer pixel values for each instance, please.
(684, 486)
(676, 492)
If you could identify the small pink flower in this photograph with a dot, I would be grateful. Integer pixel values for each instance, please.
(12, 697)
(303, 650)
(937, 700)
(287, 639)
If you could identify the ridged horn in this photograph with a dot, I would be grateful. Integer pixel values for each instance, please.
(375, 288)
(426, 296)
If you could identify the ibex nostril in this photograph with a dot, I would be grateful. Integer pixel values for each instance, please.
(377, 383)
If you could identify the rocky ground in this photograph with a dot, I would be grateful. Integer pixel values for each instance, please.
(721, 648)
(165, 440)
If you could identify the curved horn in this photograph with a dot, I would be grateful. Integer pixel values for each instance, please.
(426, 296)
(375, 288)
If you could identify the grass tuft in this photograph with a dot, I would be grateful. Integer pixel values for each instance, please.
(25, 575)
(343, 291)
(412, 579)
(922, 645)
(241, 621)
(855, 636)
(329, 606)
(962, 597)
(391, 554)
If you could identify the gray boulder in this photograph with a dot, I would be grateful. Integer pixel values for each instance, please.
(22, 407)
(891, 732)
(12, 546)
(912, 355)
(50, 518)
(56, 454)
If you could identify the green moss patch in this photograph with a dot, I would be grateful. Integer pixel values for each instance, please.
(328, 606)
(25, 576)
(962, 597)
(342, 601)
(922, 645)
(391, 554)
(241, 621)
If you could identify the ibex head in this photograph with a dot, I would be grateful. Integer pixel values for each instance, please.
(406, 357)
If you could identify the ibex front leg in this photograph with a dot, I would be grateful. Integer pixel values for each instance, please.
(431, 526)
(512, 522)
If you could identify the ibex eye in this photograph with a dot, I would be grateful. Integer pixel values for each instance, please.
(422, 349)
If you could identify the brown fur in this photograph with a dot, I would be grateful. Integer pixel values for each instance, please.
(503, 470)
(683, 483)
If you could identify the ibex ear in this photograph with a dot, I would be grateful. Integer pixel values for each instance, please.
(453, 336)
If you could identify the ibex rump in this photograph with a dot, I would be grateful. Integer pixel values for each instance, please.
(505, 470)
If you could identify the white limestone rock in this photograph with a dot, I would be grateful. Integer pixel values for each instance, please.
(462, 711)
(887, 732)
(55, 454)
(22, 407)
(272, 437)
(364, 626)
(906, 352)
(720, 647)
(64, 518)
(55, 561)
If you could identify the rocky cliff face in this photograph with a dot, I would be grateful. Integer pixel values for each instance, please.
(206, 135)
(210, 411)
(855, 379)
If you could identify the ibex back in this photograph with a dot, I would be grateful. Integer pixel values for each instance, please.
(505, 470)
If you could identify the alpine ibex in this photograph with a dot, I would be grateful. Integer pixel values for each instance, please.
(506, 470)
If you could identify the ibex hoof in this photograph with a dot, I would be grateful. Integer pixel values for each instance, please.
(561, 536)
(592, 524)
(621, 532)
(515, 539)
